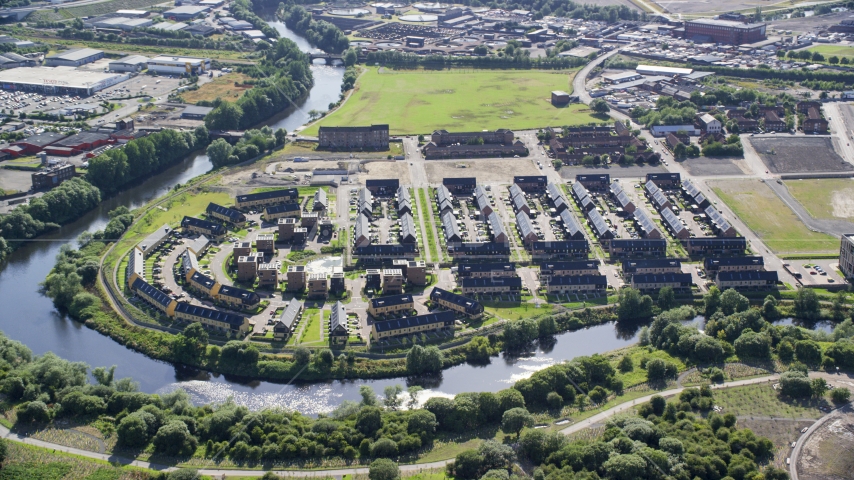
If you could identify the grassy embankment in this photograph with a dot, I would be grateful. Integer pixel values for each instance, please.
(775, 223)
(419, 101)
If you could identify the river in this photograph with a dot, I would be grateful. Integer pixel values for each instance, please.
(29, 317)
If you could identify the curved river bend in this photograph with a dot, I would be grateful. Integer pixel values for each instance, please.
(29, 317)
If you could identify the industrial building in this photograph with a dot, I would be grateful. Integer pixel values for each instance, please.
(186, 12)
(74, 57)
(58, 80)
(166, 65)
(722, 31)
(374, 137)
(131, 63)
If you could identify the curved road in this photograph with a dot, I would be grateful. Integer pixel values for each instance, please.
(599, 417)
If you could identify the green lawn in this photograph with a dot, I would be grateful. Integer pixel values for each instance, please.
(516, 311)
(831, 50)
(775, 223)
(418, 101)
(830, 198)
(428, 225)
(311, 332)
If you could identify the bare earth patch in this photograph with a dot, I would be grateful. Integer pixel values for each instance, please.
(497, 170)
(826, 455)
(393, 169)
(843, 203)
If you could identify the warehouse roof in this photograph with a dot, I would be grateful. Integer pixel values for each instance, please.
(131, 60)
(76, 54)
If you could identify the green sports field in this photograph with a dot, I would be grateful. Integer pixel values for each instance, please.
(418, 101)
(830, 50)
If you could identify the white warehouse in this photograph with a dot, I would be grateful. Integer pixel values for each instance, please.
(166, 65)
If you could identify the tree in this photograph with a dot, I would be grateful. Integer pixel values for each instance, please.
(808, 352)
(625, 467)
(392, 399)
(818, 386)
(302, 355)
(833, 60)
(600, 106)
(369, 398)
(219, 152)
(733, 302)
(467, 465)
(769, 309)
(666, 298)
(840, 395)
(132, 431)
(174, 439)
(657, 370)
(837, 309)
(807, 304)
(753, 345)
(226, 116)
(626, 364)
(515, 419)
(633, 305)
(420, 360)
(350, 58)
(369, 420)
(383, 469)
(711, 301)
(795, 384)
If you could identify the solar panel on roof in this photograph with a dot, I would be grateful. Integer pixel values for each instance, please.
(644, 222)
(616, 188)
(623, 199)
(651, 187)
(524, 223)
(570, 223)
(672, 221)
(579, 190)
(717, 219)
(598, 223)
(690, 188)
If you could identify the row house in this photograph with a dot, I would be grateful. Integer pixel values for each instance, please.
(432, 322)
(651, 266)
(568, 269)
(578, 283)
(649, 282)
(463, 305)
(501, 285)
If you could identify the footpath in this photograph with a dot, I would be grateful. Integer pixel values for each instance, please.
(409, 468)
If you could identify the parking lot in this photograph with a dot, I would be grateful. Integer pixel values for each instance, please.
(799, 154)
(816, 272)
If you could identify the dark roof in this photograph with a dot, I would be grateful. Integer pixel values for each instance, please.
(382, 182)
(391, 300)
(756, 275)
(203, 279)
(392, 249)
(639, 243)
(486, 267)
(534, 179)
(82, 137)
(446, 317)
(734, 261)
(471, 306)
(284, 207)
(235, 321)
(214, 228)
(603, 177)
(670, 177)
(662, 278)
(140, 285)
(283, 193)
(560, 245)
(338, 317)
(370, 128)
(574, 265)
(231, 213)
(487, 282)
(718, 242)
(483, 248)
(650, 263)
(579, 280)
(290, 314)
(42, 139)
(570, 223)
(646, 224)
(459, 181)
(245, 296)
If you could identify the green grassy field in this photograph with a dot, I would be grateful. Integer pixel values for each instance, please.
(830, 50)
(763, 400)
(421, 101)
(829, 198)
(311, 331)
(428, 225)
(516, 311)
(771, 219)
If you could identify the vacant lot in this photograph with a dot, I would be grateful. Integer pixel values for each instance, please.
(799, 154)
(224, 87)
(775, 223)
(486, 171)
(829, 198)
(396, 169)
(421, 101)
(708, 6)
(705, 166)
(826, 454)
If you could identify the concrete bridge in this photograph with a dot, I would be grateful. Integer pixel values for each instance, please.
(326, 57)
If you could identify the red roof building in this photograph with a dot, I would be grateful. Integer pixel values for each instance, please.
(33, 144)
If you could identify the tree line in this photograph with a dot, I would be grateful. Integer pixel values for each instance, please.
(253, 142)
(115, 168)
(320, 34)
(283, 77)
(516, 59)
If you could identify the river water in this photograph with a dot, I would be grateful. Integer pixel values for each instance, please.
(28, 316)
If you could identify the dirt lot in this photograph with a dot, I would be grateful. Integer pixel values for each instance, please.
(799, 154)
(829, 198)
(392, 169)
(809, 24)
(694, 7)
(15, 180)
(782, 432)
(486, 171)
(704, 166)
(826, 455)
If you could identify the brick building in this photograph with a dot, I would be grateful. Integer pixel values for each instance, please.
(374, 137)
(723, 31)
